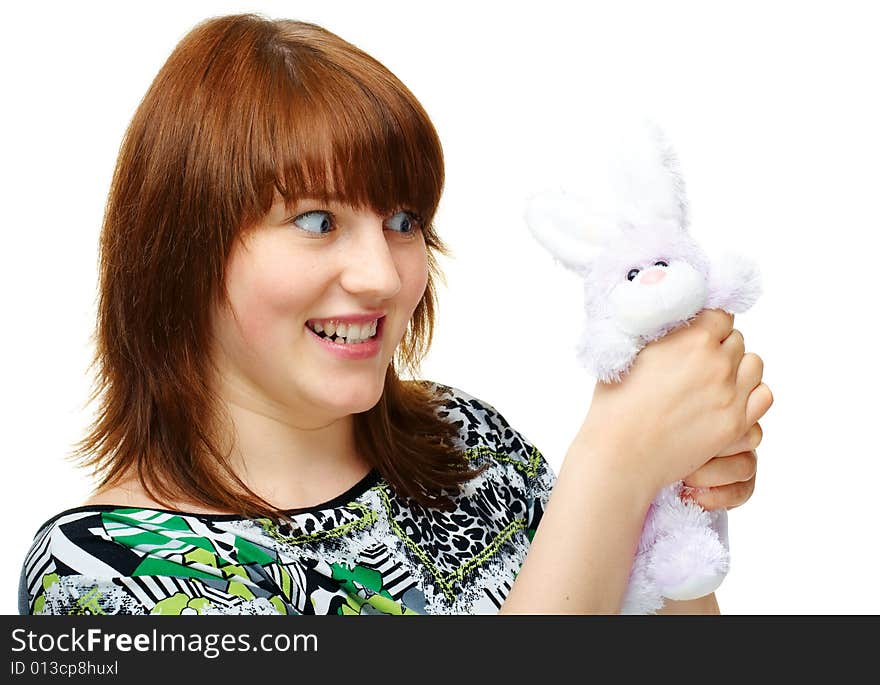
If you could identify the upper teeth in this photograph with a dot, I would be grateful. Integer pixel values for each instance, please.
(349, 331)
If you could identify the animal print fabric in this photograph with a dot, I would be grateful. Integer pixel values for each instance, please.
(368, 551)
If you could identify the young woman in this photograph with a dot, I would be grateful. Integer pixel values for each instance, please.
(266, 283)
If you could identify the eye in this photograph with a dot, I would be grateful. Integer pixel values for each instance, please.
(632, 274)
(661, 264)
(405, 222)
(316, 221)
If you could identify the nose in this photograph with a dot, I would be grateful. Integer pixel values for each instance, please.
(652, 276)
(370, 268)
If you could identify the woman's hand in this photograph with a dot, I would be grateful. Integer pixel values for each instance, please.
(686, 396)
(723, 482)
(728, 480)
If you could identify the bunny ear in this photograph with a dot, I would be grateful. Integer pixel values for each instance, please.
(570, 229)
(645, 174)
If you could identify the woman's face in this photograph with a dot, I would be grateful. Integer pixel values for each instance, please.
(316, 262)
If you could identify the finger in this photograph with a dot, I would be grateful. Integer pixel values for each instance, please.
(747, 442)
(748, 375)
(725, 496)
(735, 347)
(721, 471)
(759, 402)
(717, 321)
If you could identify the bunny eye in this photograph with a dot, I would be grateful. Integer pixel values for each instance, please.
(632, 274)
(661, 264)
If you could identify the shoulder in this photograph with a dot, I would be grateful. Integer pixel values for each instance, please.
(488, 438)
(497, 512)
(483, 429)
(107, 559)
(71, 546)
(475, 417)
(131, 494)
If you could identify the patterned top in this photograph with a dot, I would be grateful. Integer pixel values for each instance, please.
(368, 551)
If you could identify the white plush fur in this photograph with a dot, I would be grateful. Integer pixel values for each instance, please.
(633, 217)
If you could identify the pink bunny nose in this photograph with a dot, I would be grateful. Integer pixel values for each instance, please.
(652, 276)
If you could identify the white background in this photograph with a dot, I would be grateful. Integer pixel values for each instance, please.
(772, 107)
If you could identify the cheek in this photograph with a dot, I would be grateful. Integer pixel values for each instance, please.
(414, 276)
(255, 310)
(267, 303)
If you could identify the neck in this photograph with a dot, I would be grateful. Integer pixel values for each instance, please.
(293, 463)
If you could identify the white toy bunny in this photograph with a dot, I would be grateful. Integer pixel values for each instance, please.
(644, 275)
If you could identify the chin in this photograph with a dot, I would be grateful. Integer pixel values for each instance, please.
(350, 396)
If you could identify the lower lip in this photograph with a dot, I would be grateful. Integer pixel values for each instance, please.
(364, 350)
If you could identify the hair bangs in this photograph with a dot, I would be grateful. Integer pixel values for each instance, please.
(355, 139)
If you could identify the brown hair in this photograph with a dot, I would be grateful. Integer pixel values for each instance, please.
(244, 107)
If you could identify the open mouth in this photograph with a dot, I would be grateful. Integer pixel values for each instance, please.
(355, 334)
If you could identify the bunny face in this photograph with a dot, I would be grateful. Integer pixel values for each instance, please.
(646, 280)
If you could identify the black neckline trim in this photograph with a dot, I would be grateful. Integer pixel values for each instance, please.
(346, 497)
